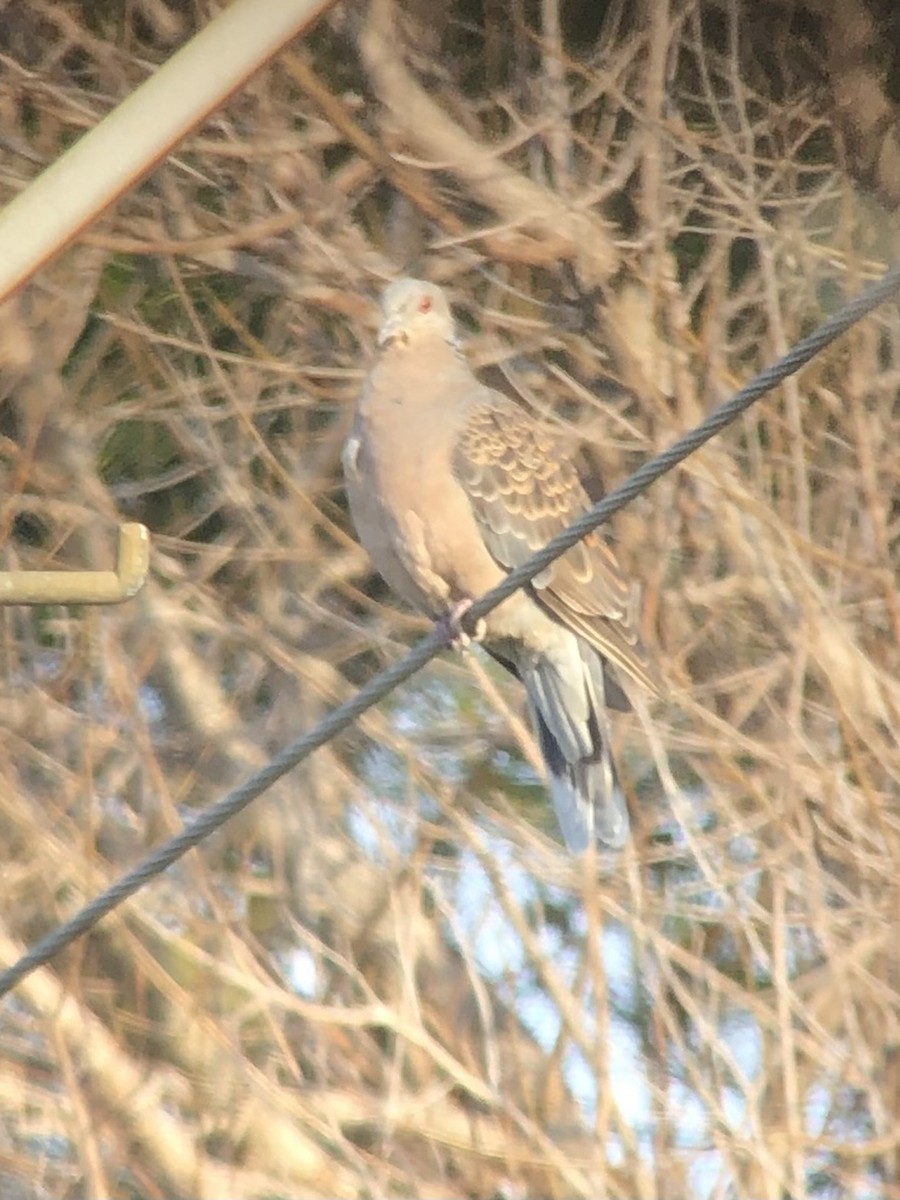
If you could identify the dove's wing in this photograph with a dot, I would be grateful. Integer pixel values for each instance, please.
(524, 490)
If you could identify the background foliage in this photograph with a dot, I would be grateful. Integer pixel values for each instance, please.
(387, 978)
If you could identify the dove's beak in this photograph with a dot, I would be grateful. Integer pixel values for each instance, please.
(390, 327)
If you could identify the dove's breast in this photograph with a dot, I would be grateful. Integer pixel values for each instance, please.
(411, 514)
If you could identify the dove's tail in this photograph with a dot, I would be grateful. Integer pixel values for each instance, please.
(568, 695)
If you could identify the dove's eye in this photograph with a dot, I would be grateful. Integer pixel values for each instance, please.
(425, 304)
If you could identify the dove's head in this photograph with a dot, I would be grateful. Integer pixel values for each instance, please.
(412, 309)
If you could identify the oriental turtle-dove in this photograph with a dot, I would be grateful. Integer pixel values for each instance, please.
(451, 485)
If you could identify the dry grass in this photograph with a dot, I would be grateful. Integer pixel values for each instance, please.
(387, 978)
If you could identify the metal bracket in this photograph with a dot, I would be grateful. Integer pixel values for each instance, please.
(85, 587)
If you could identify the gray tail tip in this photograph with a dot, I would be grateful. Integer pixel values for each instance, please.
(586, 818)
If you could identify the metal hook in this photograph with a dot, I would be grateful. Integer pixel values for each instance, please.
(85, 587)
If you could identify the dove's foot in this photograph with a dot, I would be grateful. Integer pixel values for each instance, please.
(450, 626)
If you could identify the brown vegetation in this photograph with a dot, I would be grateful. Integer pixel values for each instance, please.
(387, 978)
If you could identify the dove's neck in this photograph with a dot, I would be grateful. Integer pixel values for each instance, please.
(421, 385)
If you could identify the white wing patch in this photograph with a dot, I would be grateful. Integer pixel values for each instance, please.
(350, 456)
